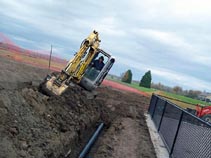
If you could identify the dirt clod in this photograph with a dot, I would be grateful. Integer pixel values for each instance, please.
(13, 131)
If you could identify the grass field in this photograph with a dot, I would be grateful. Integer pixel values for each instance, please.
(133, 85)
(182, 101)
(185, 99)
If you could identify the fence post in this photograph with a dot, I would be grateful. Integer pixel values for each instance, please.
(177, 131)
(164, 109)
(155, 106)
(150, 103)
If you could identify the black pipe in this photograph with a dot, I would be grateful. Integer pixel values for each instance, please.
(91, 141)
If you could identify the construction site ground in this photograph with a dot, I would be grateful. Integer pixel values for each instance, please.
(33, 125)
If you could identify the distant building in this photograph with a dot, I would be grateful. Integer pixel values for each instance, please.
(208, 99)
(205, 97)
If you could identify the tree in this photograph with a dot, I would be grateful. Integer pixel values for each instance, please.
(160, 86)
(127, 77)
(146, 80)
(177, 90)
(193, 94)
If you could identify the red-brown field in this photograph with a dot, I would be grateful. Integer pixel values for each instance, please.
(123, 87)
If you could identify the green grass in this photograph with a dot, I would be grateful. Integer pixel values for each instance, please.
(167, 94)
(136, 86)
(185, 99)
(133, 85)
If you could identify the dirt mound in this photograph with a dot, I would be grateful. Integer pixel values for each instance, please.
(35, 125)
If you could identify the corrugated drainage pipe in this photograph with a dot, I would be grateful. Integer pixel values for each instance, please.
(91, 141)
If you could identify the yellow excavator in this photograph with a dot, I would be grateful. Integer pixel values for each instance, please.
(81, 69)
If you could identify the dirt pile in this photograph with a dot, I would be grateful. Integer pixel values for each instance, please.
(34, 125)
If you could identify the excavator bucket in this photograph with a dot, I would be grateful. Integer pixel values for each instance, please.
(49, 87)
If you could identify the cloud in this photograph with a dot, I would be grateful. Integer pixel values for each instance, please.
(183, 80)
(21, 39)
(163, 37)
(171, 38)
(177, 45)
(174, 9)
(109, 26)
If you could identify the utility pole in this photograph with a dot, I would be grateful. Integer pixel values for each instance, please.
(49, 66)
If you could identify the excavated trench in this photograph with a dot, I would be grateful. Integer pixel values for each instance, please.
(33, 125)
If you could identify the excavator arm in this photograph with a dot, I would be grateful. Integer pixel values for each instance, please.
(75, 69)
(77, 66)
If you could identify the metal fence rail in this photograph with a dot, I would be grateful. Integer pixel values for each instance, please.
(185, 135)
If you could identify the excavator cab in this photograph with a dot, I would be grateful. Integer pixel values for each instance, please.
(79, 70)
(93, 77)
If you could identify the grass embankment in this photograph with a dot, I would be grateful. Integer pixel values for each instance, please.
(182, 101)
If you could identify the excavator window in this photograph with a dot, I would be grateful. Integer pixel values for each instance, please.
(96, 66)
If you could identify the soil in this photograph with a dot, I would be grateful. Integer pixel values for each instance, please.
(33, 125)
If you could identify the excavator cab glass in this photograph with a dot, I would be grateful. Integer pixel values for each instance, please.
(95, 67)
(97, 70)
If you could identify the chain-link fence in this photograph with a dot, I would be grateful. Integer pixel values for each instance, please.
(185, 135)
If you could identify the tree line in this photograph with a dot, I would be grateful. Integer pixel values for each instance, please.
(146, 81)
(177, 90)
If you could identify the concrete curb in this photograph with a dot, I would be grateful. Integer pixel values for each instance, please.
(160, 149)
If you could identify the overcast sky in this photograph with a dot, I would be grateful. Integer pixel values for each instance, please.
(172, 38)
